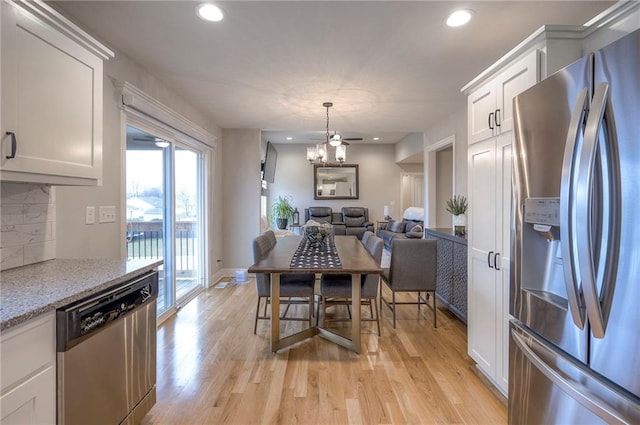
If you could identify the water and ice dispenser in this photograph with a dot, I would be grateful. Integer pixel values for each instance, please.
(542, 273)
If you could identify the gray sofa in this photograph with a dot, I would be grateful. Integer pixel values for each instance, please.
(398, 229)
(349, 221)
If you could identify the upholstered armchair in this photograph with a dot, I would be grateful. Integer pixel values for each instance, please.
(325, 215)
(356, 221)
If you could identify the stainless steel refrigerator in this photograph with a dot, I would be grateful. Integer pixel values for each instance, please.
(574, 346)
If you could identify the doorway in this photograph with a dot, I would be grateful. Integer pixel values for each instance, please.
(440, 171)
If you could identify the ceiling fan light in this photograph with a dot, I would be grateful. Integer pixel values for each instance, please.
(341, 153)
(335, 140)
(209, 12)
(162, 143)
(459, 18)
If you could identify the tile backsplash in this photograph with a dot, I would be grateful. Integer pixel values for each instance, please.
(27, 224)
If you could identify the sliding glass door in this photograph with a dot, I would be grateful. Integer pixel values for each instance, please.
(165, 211)
(189, 222)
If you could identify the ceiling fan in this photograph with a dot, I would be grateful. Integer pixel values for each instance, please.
(159, 142)
(336, 139)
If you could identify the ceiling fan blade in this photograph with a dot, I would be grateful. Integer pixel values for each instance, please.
(352, 138)
(345, 143)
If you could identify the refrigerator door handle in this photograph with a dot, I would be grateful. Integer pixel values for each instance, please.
(600, 118)
(609, 404)
(567, 212)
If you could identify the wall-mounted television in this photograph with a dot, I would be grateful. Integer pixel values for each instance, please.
(269, 164)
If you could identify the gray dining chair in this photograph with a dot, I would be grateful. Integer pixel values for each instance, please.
(297, 287)
(366, 235)
(270, 234)
(413, 268)
(336, 288)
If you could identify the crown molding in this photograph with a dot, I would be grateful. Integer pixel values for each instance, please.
(55, 19)
(132, 97)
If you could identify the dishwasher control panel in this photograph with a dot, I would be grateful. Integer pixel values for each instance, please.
(84, 317)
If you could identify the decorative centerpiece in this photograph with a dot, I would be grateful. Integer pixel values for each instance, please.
(317, 234)
(458, 207)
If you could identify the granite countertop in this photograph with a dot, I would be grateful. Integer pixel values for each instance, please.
(29, 291)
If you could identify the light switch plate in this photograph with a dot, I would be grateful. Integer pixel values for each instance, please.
(107, 214)
(90, 215)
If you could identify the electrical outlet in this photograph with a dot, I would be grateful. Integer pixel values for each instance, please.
(90, 215)
(107, 214)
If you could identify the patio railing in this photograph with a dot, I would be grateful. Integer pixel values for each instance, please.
(145, 240)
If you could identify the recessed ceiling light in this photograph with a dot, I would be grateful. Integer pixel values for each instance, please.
(209, 12)
(459, 18)
(376, 138)
(289, 138)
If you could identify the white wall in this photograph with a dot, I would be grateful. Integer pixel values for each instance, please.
(241, 195)
(444, 186)
(74, 238)
(380, 179)
(455, 124)
(408, 146)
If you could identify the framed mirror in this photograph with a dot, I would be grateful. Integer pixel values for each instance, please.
(335, 181)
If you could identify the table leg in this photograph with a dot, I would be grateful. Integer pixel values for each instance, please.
(355, 311)
(275, 311)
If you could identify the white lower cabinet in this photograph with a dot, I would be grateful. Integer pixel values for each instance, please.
(28, 394)
(489, 215)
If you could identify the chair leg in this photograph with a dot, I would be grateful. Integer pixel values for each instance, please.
(377, 316)
(255, 324)
(310, 310)
(393, 304)
(349, 310)
(434, 310)
(418, 301)
(323, 300)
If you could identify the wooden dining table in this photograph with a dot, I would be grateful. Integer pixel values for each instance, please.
(355, 260)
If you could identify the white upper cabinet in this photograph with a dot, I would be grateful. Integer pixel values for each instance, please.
(490, 106)
(51, 91)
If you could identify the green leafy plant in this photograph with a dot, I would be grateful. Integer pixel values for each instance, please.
(281, 208)
(457, 205)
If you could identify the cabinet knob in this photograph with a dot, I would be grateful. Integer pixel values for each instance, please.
(14, 144)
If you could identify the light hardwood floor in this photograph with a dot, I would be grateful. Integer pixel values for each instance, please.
(212, 369)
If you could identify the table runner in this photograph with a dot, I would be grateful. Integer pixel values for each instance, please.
(310, 256)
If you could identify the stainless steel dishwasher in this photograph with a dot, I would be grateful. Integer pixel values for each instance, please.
(107, 355)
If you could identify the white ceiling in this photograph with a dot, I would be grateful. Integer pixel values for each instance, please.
(389, 67)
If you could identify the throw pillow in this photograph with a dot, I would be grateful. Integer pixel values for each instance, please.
(416, 229)
(396, 226)
(413, 235)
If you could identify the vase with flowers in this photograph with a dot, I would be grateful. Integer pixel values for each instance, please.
(458, 207)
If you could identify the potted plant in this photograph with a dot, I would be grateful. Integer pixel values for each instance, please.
(282, 211)
(458, 207)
